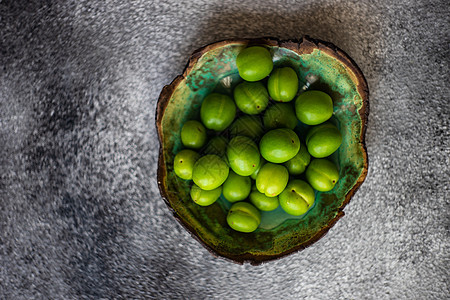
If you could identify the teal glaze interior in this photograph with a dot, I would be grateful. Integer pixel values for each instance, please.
(279, 232)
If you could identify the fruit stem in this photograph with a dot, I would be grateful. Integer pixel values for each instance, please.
(310, 79)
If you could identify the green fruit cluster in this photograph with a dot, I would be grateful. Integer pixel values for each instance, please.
(247, 147)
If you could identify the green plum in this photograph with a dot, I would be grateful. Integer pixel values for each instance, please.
(261, 163)
(236, 187)
(183, 163)
(210, 172)
(251, 97)
(249, 126)
(297, 197)
(262, 202)
(254, 63)
(322, 174)
(193, 134)
(322, 140)
(272, 179)
(217, 145)
(279, 145)
(283, 84)
(280, 115)
(297, 165)
(217, 111)
(205, 198)
(313, 107)
(243, 217)
(243, 155)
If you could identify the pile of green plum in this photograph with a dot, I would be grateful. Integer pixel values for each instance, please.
(247, 149)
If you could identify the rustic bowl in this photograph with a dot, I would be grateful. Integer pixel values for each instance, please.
(213, 68)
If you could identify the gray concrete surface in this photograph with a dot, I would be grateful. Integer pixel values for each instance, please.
(80, 212)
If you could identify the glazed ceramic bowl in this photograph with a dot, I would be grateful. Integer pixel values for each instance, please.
(213, 68)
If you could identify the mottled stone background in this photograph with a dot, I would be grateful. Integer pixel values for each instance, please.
(80, 212)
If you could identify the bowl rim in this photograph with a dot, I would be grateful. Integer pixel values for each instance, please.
(303, 45)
